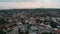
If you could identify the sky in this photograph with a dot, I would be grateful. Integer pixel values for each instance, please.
(29, 0)
(22, 4)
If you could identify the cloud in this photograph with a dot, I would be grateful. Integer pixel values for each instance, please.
(27, 5)
(30, 4)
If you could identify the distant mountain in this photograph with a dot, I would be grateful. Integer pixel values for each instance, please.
(31, 10)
